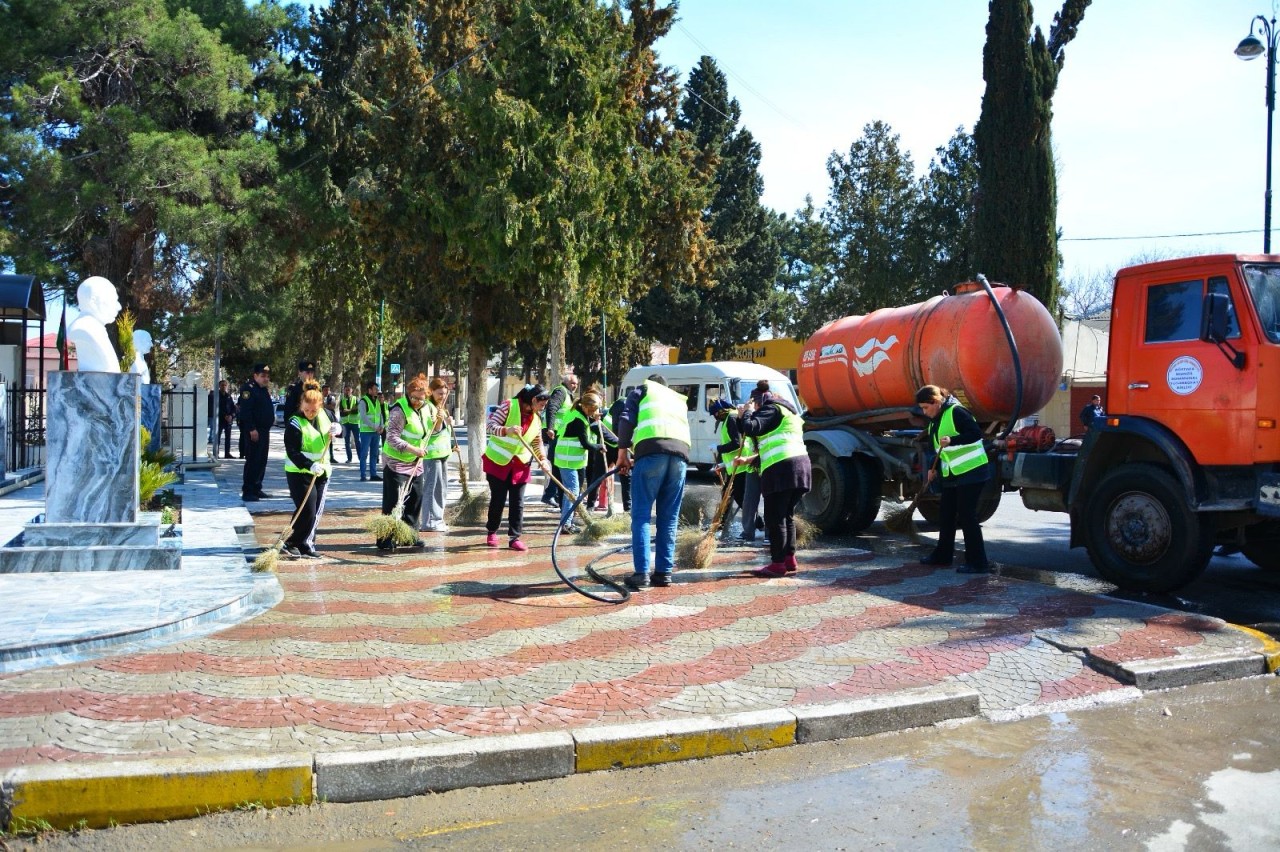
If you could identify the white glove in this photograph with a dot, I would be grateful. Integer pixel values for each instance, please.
(335, 430)
(317, 469)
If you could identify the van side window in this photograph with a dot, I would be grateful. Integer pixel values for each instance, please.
(1218, 284)
(690, 392)
(713, 394)
(1173, 311)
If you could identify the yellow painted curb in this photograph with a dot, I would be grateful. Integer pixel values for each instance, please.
(1270, 647)
(69, 796)
(664, 746)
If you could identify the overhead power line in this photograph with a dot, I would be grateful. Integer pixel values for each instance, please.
(1159, 236)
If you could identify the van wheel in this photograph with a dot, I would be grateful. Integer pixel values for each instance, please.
(826, 502)
(1262, 545)
(1141, 533)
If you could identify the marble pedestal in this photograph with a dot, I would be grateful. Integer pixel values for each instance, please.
(149, 399)
(4, 431)
(91, 518)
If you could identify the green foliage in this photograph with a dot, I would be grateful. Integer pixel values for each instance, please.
(133, 140)
(124, 330)
(1016, 228)
(727, 301)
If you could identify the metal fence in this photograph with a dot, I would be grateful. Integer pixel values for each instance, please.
(24, 438)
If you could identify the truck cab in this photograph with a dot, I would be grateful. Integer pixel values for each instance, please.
(1189, 453)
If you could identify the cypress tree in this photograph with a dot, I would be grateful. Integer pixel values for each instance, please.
(1016, 215)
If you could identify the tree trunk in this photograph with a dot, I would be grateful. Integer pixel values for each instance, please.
(556, 367)
(477, 358)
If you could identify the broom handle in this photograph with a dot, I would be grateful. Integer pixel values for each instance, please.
(285, 532)
(582, 513)
(724, 502)
(916, 499)
(462, 470)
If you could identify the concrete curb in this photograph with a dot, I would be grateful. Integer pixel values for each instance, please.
(98, 795)
(1270, 647)
(876, 715)
(365, 776)
(1166, 674)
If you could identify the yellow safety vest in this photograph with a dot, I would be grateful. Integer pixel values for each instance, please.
(956, 459)
(570, 453)
(500, 449)
(313, 440)
(784, 442)
(663, 414)
(417, 425)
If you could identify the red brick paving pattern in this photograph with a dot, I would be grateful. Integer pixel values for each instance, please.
(461, 640)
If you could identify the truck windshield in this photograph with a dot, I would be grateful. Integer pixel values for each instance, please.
(1264, 288)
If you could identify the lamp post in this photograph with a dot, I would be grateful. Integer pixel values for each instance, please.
(1251, 47)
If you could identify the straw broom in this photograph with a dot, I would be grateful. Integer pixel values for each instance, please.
(903, 520)
(268, 559)
(705, 550)
(384, 527)
(470, 509)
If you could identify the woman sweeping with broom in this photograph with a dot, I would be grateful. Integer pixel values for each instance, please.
(409, 425)
(962, 462)
(306, 442)
(785, 475)
(514, 437)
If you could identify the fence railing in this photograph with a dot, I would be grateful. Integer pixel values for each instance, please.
(24, 437)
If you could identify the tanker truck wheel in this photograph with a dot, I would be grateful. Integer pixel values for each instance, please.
(1262, 545)
(866, 505)
(1141, 534)
(827, 502)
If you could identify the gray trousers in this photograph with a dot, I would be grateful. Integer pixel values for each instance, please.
(435, 482)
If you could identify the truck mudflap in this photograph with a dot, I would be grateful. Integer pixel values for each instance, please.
(1268, 501)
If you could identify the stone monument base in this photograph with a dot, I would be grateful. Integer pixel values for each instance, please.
(44, 547)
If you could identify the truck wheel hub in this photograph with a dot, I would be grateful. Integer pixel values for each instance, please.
(1139, 528)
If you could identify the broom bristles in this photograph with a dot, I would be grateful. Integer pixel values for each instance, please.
(806, 532)
(705, 551)
(267, 560)
(470, 509)
(598, 530)
(901, 519)
(687, 541)
(384, 527)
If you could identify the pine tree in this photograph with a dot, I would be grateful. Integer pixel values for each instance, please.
(728, 303)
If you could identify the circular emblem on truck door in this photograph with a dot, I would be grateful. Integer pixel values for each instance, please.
(1184, 375)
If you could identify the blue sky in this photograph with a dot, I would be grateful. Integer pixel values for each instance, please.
(1158, 127)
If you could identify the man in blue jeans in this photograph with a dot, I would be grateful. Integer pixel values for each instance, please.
(653, 447)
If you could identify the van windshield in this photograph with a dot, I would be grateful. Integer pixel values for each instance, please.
(1264, 288)
(740, 391)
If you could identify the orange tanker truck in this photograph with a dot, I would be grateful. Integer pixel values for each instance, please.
(1188, 455)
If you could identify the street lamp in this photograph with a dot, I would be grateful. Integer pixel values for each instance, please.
(1251, 47)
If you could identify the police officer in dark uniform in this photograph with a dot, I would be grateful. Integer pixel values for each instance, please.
(257, 414)
(293, 396)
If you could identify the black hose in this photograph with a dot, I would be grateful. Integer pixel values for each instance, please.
(1013, 350)
(590, 567)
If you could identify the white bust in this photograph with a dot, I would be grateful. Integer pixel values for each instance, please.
(98, 306)
(141, 346)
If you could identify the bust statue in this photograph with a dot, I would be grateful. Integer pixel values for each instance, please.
(98, 306)
(141, 346)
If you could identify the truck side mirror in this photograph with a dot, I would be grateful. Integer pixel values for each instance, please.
(1215, 324)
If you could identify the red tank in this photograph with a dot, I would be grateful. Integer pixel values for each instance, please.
(875, 363)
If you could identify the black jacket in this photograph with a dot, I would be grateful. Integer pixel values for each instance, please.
(793, 473)
(257, 411)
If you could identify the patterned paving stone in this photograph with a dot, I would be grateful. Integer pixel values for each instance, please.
(369, 651)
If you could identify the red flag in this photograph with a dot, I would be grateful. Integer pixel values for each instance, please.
(63, 357)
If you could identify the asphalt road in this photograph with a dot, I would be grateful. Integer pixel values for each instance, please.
(1231, 588)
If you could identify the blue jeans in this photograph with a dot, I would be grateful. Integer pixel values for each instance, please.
(570, 479)
(370, 443)
(659, 479)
